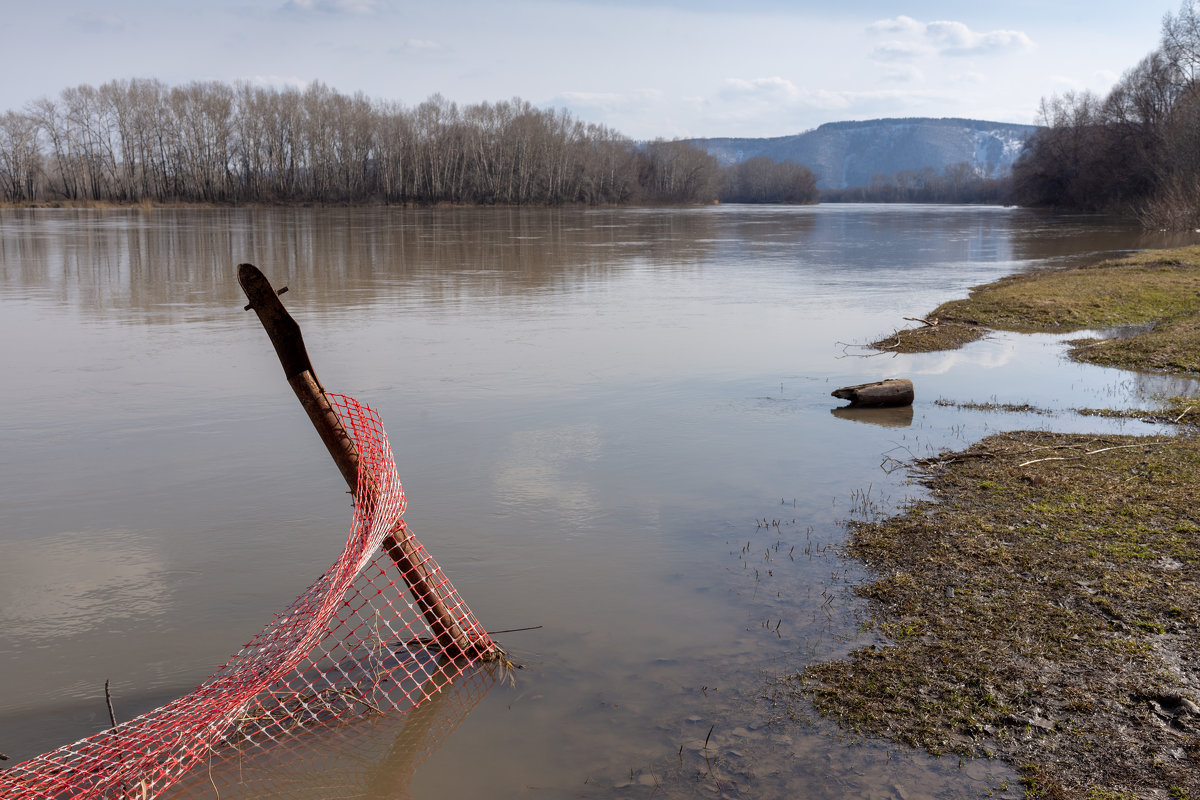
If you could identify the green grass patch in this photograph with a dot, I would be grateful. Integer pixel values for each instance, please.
(1157, 293)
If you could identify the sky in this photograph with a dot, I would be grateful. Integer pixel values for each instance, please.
(645, 68)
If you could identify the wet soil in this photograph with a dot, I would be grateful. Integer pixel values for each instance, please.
(1043, 606)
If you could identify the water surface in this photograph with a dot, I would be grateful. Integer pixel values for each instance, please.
(614, 424)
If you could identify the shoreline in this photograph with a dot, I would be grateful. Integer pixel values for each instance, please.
(1043, 607)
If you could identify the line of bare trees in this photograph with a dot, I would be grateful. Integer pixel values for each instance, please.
(1136, 150)
(956, 183)
(140, 140)
(762, 180)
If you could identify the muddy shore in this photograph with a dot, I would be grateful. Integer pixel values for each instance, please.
(1043, 607)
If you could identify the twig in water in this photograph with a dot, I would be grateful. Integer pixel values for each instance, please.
(657, 786)
(210, 775)
(1184, 414)
(112, 716)
(706, 738)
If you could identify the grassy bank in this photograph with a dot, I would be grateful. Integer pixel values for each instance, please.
(1157, 291)
(1044, 605)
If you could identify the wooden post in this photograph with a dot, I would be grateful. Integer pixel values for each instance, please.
(289, 346)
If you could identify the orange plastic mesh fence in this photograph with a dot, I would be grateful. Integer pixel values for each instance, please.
(356, 643)
(365, 757)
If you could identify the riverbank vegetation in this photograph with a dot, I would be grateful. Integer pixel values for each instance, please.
(136, 141)
(1043, 605)
(1136, 150)
(1155, 295)
(957, 183)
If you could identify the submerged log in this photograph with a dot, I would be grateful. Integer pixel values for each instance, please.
(891, 392)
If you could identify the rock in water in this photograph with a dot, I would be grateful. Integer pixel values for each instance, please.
(891, 392)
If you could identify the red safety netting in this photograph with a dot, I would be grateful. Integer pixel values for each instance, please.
(382, 630)
(367, 757)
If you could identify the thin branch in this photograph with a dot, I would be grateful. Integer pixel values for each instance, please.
(1122, 447)
(112, 716)
(1039, 460)
(516, 630)
(951, 458)
(1089, 453)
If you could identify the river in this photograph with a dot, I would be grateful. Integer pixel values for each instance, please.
(612, 424)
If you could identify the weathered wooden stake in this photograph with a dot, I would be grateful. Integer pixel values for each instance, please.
(289, 346)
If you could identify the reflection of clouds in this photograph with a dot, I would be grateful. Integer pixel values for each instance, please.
(1036, 369)
(536, 471)
(1150, 386)
(987, 354)
(72, 582)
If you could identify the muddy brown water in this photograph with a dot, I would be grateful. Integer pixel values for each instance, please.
(613, 424)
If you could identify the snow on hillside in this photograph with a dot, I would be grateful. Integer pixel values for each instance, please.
(846, 154)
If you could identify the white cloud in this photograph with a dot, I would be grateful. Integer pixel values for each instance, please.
(955, 38)
(900, 24)
(950, 35)
(942, 37)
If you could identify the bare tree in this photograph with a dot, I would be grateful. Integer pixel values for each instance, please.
(20, 159)
(1181, 39)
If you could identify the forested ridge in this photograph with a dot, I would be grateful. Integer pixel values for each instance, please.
(1136, 150)
(134, 141)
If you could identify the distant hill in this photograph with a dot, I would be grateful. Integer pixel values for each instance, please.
(849, 153)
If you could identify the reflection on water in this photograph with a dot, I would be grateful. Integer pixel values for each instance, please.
(369, 758)
(613, 424)
(887, 417)
(166, 265)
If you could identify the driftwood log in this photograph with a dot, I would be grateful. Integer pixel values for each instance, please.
(891, 392)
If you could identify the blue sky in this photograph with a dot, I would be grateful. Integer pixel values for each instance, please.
(648, 68)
